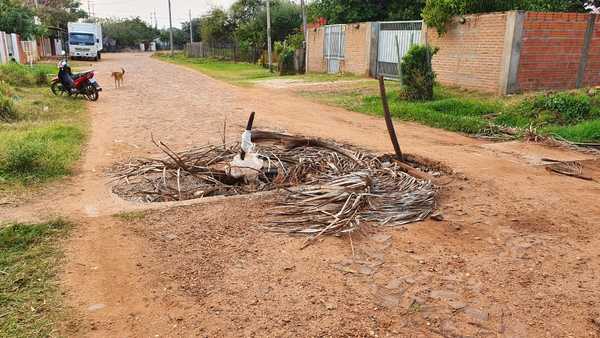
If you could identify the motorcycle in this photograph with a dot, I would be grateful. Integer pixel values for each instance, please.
(84, 84)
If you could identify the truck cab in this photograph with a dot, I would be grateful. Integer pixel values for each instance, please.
(85, 41)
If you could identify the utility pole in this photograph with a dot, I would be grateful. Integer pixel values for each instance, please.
(171, 30)
(269, 52)
(155, 20)
(191, 30)
(89, 7)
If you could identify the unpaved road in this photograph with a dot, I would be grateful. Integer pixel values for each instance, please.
(518, 254)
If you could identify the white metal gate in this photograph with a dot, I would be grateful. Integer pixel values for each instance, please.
(333, 47)
(395, 39)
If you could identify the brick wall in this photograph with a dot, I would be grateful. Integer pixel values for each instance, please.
(316, 63)
(592, 71)
(551, 50)
(356, 49)
(471, 54)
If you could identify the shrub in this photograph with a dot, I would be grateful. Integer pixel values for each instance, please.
(438, 13)
(286, 58)
(417, 75)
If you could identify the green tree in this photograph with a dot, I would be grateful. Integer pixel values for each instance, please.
(347, 11)
(57, 13)
(128, 32)
(286, 19)
(16, 18)
(216, 27)
(185, 28)
(180, 37)
(437, 13)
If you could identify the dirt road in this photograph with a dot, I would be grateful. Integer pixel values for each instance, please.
(517, 254)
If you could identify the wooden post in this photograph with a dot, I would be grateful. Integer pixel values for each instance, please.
(388, 120)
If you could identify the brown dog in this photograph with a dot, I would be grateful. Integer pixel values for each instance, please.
(119, 77)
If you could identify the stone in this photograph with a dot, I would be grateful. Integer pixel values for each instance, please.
(96, 307)
(381, 238)
(476, 314)
(394, 283)
(389, 301)
(437, 216)
(444, 295)
(457, 304)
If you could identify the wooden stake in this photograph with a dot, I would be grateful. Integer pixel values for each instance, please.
(388, 120)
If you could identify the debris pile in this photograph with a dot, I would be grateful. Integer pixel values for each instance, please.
(326, 188)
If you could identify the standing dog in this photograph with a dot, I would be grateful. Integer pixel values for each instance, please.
(119, 77)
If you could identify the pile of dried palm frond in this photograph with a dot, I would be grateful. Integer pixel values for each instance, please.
(329, 188)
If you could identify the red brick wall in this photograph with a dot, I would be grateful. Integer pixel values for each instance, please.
(592, 71)
(551, 50)
(470, 54)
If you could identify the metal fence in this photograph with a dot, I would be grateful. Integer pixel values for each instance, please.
(334, 45)
(394, 41)
(223, 51)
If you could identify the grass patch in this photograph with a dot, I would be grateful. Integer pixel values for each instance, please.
(244, 74)
(588, 131)
(29, 299)
(574, 116)
(45, 139)
(131, 216)
(237, 73)
(26, 76)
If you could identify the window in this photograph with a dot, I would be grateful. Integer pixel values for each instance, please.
(82, 39)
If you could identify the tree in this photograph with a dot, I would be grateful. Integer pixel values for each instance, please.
(16, 18)
(180, 37)
(286, 19)
(185, 28)
(437, 13)
(216, 27)
(128, 32)
(348, 11)
(58, 13)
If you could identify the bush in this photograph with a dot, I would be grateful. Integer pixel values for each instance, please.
(286, 58)
(417, 75)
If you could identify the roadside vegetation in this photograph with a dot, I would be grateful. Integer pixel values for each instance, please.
(573, 115)
(30, 303)
(242, 73)
(40, 134)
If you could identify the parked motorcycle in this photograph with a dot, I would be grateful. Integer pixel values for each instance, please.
(83, 84)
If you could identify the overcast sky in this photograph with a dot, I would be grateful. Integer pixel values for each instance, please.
(144, 8)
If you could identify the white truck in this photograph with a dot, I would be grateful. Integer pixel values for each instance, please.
(85, 40)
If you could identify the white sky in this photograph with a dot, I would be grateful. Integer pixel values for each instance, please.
(144, 8)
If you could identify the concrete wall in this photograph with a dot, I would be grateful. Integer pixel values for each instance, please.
(471, 54)
(356, 49)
